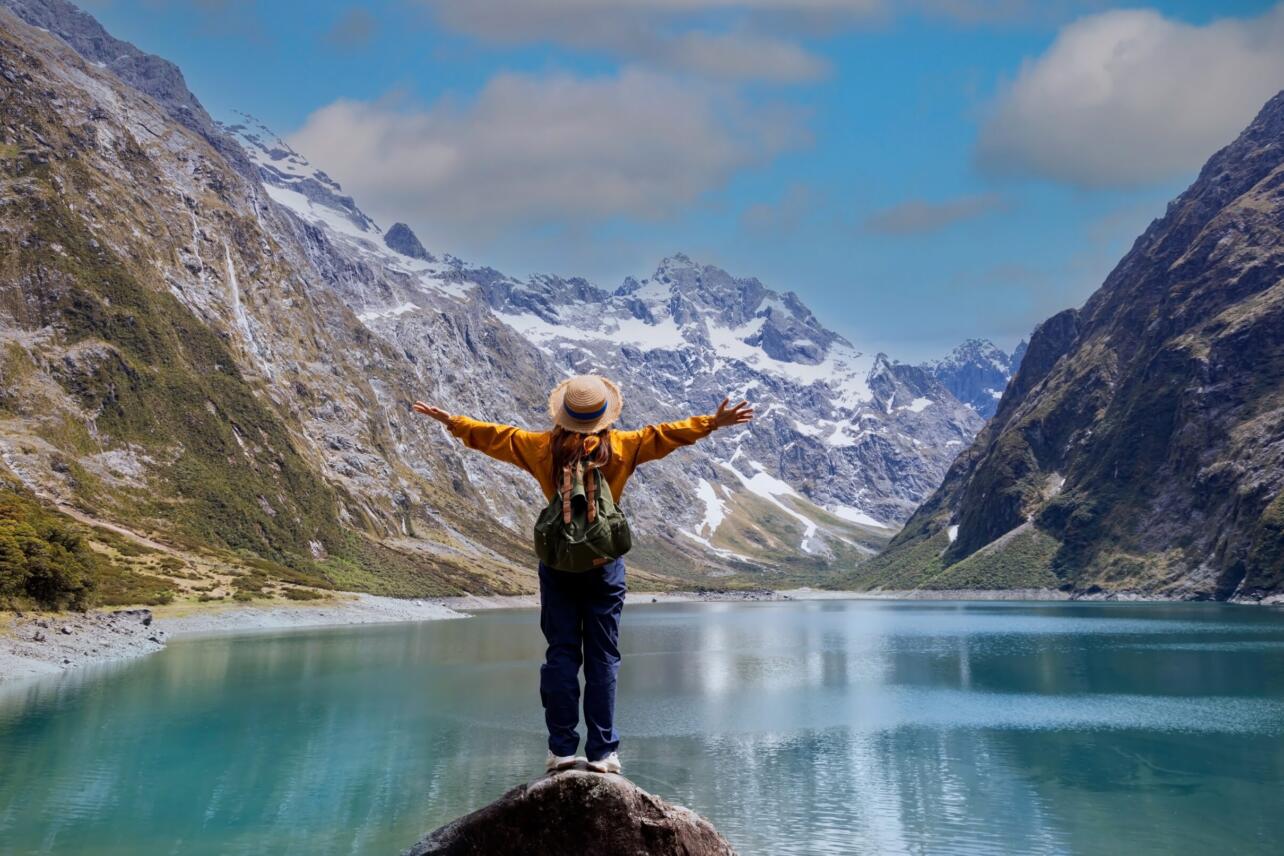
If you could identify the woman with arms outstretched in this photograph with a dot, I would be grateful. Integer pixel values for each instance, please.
(580, 609)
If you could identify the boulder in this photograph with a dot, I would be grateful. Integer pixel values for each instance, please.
(580, 812)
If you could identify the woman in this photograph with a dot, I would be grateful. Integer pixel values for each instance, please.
(580, 612)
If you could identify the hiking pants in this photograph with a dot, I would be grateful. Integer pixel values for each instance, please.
(580, 616)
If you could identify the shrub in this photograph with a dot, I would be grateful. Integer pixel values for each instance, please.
(43, 561)
(302, 594)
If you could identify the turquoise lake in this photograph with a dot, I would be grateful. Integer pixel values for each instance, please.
(796, 727)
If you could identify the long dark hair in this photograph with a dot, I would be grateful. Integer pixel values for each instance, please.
(568, 447)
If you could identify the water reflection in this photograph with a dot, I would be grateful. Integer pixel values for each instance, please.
(829, 727)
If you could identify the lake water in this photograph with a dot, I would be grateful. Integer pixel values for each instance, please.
(797, 727)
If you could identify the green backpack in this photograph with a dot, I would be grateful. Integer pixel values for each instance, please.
(581, 528)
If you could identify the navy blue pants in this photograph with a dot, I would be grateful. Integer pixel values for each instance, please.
(580, 616)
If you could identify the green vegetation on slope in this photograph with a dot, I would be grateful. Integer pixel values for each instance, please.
(1023, 560)
(43, 562)
(162, 380)
(47, 561)
(900, 570)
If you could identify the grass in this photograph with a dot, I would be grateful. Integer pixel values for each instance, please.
(899, 569)
(1022, 561)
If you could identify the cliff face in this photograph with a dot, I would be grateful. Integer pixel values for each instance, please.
(178, 360)
(1141, 444)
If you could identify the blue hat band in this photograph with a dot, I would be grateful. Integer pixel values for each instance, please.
(584, 417)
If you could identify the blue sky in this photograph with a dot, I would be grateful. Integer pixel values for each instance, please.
(920, 172)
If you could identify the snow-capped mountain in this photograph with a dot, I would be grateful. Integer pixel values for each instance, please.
(853, 432)
(297, 332)
(977, 372)
(858, 435)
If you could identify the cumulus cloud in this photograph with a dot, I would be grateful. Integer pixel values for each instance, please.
(555, 150)
(1128, 98)
(917, 216)
(723, 39)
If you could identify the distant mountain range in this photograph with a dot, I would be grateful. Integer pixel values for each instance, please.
(977, 372)
(208, 342)
(1140, 448)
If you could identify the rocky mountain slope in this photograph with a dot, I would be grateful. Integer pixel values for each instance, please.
(1141, 445)
(208, 345)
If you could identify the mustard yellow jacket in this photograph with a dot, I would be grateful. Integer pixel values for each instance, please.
(533, 450)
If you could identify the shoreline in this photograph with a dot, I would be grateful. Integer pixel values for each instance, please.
(43, 644)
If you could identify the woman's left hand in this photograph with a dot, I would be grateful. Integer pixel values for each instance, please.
(726, 416)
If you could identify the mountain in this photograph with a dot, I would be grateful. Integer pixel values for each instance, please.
(210, 351)
(678, 340)
(976, 373)
(1140, 447)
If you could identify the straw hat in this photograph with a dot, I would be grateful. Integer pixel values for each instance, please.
(585, 403)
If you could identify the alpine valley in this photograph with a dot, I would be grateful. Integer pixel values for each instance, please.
(209, 353)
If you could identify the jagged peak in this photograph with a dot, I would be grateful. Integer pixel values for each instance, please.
(281, 167)
(973, 351)
(402, 239)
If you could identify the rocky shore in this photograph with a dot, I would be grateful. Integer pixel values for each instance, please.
(43, 643)
(37, 644)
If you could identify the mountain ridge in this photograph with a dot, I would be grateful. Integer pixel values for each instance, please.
(1140, 447)
(224, 364)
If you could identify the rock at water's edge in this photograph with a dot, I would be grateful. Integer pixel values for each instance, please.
(577, 812)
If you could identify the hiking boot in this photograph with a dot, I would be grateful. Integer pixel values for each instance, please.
(559, 762)
(609, 764)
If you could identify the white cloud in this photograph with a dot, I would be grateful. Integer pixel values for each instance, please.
(741, 56)
(669, 34)
(916, 216)
(723, 39)
(555, 150)
(1130, 97)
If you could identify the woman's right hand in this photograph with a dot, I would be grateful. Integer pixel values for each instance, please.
(428, 410)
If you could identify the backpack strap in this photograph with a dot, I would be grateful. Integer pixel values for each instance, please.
(567, 483)
(590, 491)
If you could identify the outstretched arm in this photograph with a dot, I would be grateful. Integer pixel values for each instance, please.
(501, 442)
(655, 441)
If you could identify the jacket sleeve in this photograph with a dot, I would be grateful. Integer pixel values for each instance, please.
(653, 442)
(502, 442)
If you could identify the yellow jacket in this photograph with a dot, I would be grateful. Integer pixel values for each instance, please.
(533, 451)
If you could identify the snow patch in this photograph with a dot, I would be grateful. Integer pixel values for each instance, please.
(393, 312)
(855, 515)
(715, 510)
(769, 487)
(918, 405)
